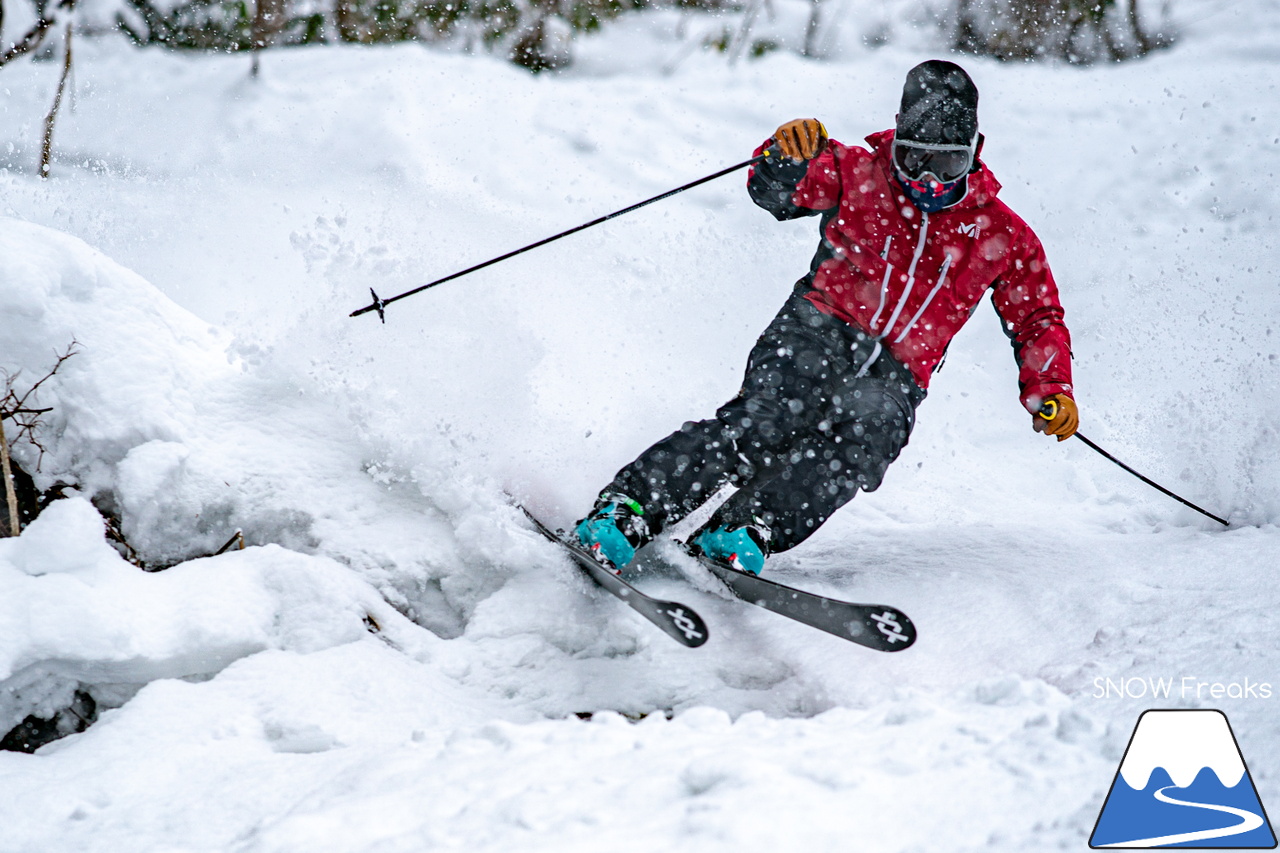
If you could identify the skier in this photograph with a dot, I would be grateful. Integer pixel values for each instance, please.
(912, 237)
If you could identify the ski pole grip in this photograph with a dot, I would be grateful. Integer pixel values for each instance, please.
(1049, 409)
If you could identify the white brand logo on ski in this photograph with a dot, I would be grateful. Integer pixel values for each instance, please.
(970, 229)
(686, 625)
(888, 624)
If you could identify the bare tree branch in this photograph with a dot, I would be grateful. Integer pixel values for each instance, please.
(10, 493)
(35, 36)
(46, 147)
(14, 406)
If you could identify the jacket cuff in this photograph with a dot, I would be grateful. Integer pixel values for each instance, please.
(1033, 396)
(778, 167)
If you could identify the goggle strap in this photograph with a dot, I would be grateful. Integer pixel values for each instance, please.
(936, 146)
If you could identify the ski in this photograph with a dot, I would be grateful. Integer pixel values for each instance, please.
(677, 620)
(875, 626)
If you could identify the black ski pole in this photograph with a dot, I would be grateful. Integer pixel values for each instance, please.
(1049, 411)
(380, 305)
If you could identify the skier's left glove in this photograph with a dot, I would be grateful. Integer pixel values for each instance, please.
(1058, 416)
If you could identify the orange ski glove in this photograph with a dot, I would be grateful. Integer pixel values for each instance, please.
(1058, 416)
(801, 139)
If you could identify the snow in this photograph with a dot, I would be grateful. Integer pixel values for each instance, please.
(396, 662)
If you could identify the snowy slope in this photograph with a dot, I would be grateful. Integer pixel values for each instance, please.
(221, 385)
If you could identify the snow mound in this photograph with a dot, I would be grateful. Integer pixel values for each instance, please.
(159, 423)
(72, 612)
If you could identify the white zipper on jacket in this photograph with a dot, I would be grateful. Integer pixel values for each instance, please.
(871, 359)
(942, 277)
(884, 285)
(902, 301)
(911, 277)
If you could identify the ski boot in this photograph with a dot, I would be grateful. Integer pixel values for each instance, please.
(743, 548)
(614, 530)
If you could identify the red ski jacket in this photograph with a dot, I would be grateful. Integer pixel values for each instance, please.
(912, 279)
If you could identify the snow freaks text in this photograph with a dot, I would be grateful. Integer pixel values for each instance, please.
(1184, 687)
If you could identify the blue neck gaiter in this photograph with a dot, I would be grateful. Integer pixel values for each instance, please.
(930, 196)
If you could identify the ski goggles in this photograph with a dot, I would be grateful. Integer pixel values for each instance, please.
(947, 163)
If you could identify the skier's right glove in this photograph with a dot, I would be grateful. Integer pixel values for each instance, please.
(801, 139)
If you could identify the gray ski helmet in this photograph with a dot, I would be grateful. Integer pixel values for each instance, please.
(939, 105)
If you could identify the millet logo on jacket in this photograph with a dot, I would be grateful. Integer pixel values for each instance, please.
(970, 229)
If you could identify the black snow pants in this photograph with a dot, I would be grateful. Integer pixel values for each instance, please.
(813, 423)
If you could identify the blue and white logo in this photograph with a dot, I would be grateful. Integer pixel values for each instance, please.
(1183, 783)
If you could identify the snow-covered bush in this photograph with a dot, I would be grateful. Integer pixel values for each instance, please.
(540, 34)
(1079, 31)
(532, 33)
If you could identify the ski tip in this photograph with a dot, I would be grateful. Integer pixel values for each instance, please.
(684, 625)
(887, 629)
